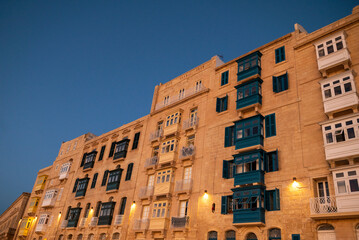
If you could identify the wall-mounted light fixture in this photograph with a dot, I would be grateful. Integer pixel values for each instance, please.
(205, 194)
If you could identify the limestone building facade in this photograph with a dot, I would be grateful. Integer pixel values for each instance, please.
(10, 218)
(265, 146)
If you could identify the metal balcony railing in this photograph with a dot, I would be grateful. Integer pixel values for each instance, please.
(183, 185)
(187, 93)
(156, 134)
(151, 162)
(141, 224)
(187, 152)
(93, 222)
(323, 205)
(118, 220)
(145, 192)
(190, 123)
(82, 222)
(179, 222)
(64, 224)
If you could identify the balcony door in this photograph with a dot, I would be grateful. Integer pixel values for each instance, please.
(183, 208)
(145, 212)
(324, 197)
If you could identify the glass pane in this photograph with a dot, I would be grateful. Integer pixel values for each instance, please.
(337, 90)
(327, 93)
(339, 175)
(239, 134)
(354, 187)
(341, 187)
(351, 133)
(321, 53)
(329, 137)
(340, 136)
(320, 189)
(352, 173)
(339, 45)
(330, 49)
(347, 87)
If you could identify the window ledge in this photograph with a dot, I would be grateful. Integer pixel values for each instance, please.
(225, 85)
(281, 92)
(281, 63)
(112, 191)
(221, 113)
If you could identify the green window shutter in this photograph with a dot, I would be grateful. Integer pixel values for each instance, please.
(295, 236)
(93, 184)
(218, 105)
(275, 159)
(225, 103)
(282, 52)
(275, 84)
(75, 186)
(123, 205)
(225, 173)
(135, 141)
(266, 200)
(272, 125)
(129, 172)
(285, 81)
(101, 153)
(277, 55)
(113, 145)
(104, 179)
(267, 126)
(276, 199)
(224, 205)
(228, 136)
(83, 159)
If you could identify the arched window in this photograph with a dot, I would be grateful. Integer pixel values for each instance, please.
(79, 237)
(251, 236)
(116, 236)
(90, 236)
(326, 232)
(274, 233)
(102, 236)
(230, 235)
(212, 235)
(61, 237)
(69, 237)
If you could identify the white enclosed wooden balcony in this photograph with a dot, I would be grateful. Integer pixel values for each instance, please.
(339, 93)
(341, 137)
(340, 57)
(172, 129)
(332, 52)
(50, 198)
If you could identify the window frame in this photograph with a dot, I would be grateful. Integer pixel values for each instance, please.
(163, 176)
(331, 130)
(222, 104)
(270, 125)
(224, 78)
(159, 209)
(172, 119)
(169, 145)
(330, 84)
(280, 83)
(280, 54)
(346, 178)
(332, 40)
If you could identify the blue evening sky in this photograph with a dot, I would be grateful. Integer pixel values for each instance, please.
(72, 67)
